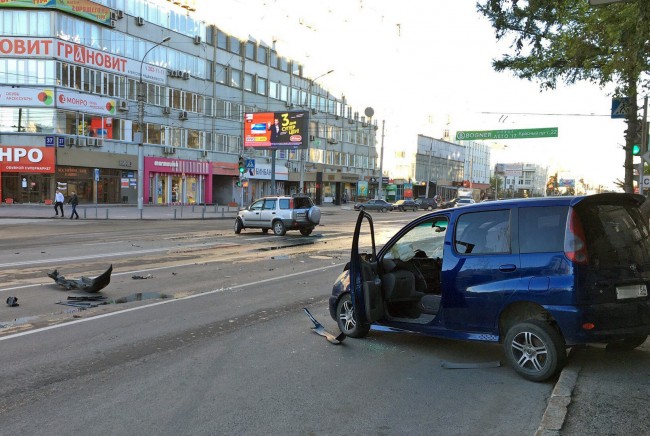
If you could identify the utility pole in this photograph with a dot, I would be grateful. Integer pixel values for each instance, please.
(426, 191)
(381, 160)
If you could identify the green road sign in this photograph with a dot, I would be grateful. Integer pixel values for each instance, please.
(477, 135)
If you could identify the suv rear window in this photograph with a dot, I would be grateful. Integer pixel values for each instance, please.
(616, 235)
(541, 229)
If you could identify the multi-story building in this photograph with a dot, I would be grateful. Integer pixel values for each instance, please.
(97, 96)
(447, 166)
(521, 180)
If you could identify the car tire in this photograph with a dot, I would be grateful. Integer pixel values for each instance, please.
(626, 344)
(238, 226)
(361, 208)
(265, 231)
(347, 320)
(305, 232)
(278, 228)
(313, 214)
(535, 350)
(383, 209)
(429, 208)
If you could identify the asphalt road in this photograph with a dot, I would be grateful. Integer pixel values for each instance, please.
(232, 352)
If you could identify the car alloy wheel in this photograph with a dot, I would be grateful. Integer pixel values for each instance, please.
(278, 228)
(347, 321)
(535, 350)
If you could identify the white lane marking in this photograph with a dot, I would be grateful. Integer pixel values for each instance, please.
(101, 256)
(188, 297)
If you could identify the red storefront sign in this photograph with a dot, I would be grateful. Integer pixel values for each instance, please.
(27, 160)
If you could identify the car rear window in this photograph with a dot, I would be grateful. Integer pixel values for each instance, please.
(616, 234)
(541, 229)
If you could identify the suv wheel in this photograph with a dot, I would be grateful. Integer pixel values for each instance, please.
(535, 350)
(305, 232)
(347, 321)
(238, 226)
(278, 228)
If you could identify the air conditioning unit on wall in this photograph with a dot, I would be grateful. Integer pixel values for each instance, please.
(169, 150)
(182, 115)
(186, 75)
(167, 110)
(122, 105)
(139, 21)
(197, 39)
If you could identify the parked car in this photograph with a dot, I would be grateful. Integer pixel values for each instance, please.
(426, 203)
(464, 201)
(404, 205)
(280, 214)
(381, 205)
(537, 275)
(448, 203)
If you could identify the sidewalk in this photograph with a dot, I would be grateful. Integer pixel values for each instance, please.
(121, 212)
(131, 212)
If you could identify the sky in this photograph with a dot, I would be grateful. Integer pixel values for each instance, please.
(427, 66)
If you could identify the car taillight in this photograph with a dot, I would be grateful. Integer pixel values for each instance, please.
(575, 247)
(291, 203)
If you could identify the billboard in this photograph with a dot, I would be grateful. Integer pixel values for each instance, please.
(27, 160)
(82, 8)
(279, 130)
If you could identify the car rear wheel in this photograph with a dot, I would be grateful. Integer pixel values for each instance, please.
(535, 350)
(627, 344)
(238, 226)
(429, 208)
(347, 321)
(305, 232)
(383, 209)
(279, 229)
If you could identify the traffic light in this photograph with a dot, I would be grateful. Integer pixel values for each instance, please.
(242, 165)
(637, 148)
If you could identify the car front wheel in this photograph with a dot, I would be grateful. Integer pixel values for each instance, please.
(278, 228)
(383, 209)
(238, 226)
(535, 350)
(347, 321)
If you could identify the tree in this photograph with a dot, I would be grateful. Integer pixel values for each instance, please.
(571, 41)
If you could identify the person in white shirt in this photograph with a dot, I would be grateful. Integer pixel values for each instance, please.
(58, 203)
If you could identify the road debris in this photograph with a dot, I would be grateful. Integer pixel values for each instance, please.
(318, 328)
(137, 277)
(84, 283)
(477, 365)
(12, 301)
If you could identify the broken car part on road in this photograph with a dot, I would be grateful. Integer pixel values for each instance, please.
(84, 283)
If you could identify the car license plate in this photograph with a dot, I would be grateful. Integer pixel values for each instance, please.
(632, 291)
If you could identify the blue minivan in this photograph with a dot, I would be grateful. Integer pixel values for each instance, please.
(538, 275)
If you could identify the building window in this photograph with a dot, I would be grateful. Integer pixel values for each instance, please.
(235, 78)
(261, 86)
(248, 82)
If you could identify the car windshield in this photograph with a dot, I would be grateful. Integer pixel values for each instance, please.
(424, 240)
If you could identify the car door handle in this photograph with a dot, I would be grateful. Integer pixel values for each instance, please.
(507, 268)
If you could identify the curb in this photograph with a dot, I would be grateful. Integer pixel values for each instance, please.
(556, 410)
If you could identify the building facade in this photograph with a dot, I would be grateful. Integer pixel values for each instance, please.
(86, 92)
(520, 180)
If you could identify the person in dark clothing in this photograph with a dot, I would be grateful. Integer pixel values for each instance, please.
(74, 201)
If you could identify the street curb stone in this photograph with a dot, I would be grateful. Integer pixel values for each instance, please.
(556, 410)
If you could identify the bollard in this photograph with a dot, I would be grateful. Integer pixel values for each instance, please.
(140, 213)
(192, 208)
(216, 207)
(174, 213)
(203, 214)
(106, 213)
(223, 212)
(85, 210)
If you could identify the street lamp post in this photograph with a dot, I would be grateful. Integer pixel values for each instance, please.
(302, 152)
(140, 138)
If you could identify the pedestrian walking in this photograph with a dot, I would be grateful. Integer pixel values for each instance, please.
(58, 203)
(74, 201)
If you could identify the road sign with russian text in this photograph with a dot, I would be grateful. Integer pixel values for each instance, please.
(477, 135)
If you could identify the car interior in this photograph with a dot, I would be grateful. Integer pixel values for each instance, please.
(410, 273)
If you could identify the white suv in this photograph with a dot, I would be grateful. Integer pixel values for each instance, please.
(280, 214)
